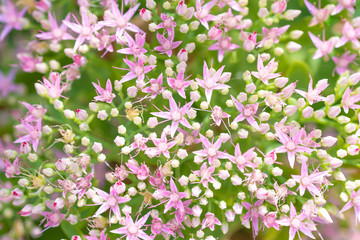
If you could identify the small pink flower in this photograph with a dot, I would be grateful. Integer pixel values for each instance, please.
(218, 114)
(296, 223)
(342, 62)
(203, 12)
(265, 73)
(319, 15)
(313, 95)
(210, 81)
(175, 114)
(291, 144)
(137, 70)
(104, 95)
(133, 230)
(323, 47)
(309, 182)
(121, 21)
(211, 150)
(247, 112)
(349, 100)
(85, 30)
(353, 202)
(54, 86)
(166, 44)
(222, 46)
(10, 17)
(179, 84)
(209, 221)
(56, 33)
(110, 201)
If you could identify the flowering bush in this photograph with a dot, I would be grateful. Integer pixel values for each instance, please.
(179, 119)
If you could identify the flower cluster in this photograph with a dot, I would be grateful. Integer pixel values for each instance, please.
(179, 119)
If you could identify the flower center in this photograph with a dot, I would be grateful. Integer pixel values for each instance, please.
(295, 223)
(57, 32)
(290, 146)
(248, 111)
(86, 31)
(132, 229)
(212, 151)
(176, 115)
(306, 181)
(111, 201)
(174, 197)
(356, 201)
(163, 147)
(34, 134)
(240, 160)
(209, 83)
(121, 22)
(138, 70)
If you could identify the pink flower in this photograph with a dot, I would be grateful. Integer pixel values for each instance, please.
(12, 169)
(218, 114)
(205, 174)
(134, 48)
(105, 40)
(210, 81)
(7, 84)
(56, 33)
(33, 133)
(349, 101)
(211, 150)
(35, 112)
(291, 144)
(273, 33)
(247, 112)
(157, 227)
(174, 201)
(175, 114)
(265, 73)
(342, 62)
(296, 223)
(270, 221)
(203, 12)
(349, 34)
(253, 215)
(243, 160)
(167, 22)
(141, 172)
(313, 95)
(10, 17)
(231, 3)
(120, 21)
(53, 218)
(155, 87)
(190, 138)
(85, 30)
(319, 15)
(132, 230)
(54, 88)
(137, 70)
(209, 221)
(166, 44)
(28, 62)
(162, 146)
(308, 182)
(110, 201)
(348, 4)
(323, 47)
(179, 84)
(94, 237)
(104, 95)
(353, 202)
(223, 45)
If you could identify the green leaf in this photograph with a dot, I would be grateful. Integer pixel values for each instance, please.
(357, 9)
(71, 230)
